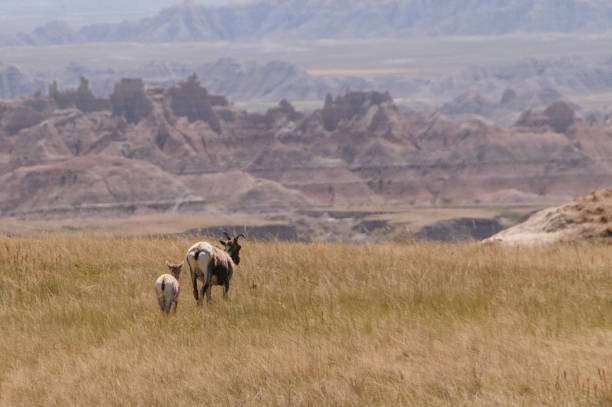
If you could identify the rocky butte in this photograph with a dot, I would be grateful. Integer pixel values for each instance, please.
(183, 149)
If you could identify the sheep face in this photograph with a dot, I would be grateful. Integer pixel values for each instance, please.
(175, 269)
(232, 247)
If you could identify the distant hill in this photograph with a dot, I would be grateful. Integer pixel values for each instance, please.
(316, 19)
(24, 15)
(14, 83)
(496, 94)
(244, 82)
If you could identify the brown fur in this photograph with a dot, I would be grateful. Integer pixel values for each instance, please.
(220, 267)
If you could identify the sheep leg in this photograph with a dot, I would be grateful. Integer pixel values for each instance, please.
(207, 285)
(175, 305)
(201, 298)
(194, 281)
(225, 289)
(202, 292)
(169, 302)
(208, 293)
(195, 289)
(206, 290)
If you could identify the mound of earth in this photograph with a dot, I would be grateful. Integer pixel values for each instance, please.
(588, 218)
(88, 185)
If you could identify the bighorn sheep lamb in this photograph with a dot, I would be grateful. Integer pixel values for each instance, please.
(212, 265)
(167, 287)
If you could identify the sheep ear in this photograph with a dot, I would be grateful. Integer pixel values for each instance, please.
(167, 263)
(181, 265)
(223, 242)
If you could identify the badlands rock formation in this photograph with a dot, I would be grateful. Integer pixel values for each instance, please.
(184, 150)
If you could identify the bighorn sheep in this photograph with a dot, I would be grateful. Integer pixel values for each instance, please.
(212, 265)
(167, 287)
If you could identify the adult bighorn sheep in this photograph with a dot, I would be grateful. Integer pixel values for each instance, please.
(212, 265)
(167, 287)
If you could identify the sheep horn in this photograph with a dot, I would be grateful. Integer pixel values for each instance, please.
(227, 235)
(240, 235)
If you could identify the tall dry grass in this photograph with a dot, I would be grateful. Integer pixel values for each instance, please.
(316, 324)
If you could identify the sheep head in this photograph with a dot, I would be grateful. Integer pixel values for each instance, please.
(175, 269)
(232, 246)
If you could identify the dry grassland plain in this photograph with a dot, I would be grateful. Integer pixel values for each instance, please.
(426, 57)
(306, 324)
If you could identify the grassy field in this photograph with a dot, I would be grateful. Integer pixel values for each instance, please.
(317, 324)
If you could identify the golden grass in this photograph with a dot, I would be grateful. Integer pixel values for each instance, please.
(316, 324)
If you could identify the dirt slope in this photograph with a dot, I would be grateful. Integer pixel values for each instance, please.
(588, 218)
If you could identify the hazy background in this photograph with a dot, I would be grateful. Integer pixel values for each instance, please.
(393, 104)
(455, 56)
(27, 14)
